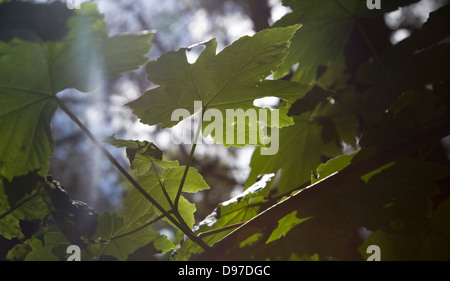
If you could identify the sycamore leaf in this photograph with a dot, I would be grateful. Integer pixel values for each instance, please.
(9, 224)
(19, 251)
(284, 225)
(238, 209)
(331, 166)
(43, 250)
(32, 73)
(113, 238)
(138, 210)
(24, 197)
(142, 154)
(301, 149)
(163, 244)
(230, 80)
(326, 26)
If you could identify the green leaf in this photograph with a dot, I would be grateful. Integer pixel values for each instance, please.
(301, 149)
(21, 199)
(230, 80)
(163, 244)
(138, 209)
(109, 241)
(142, 154)
(33, 73)
(9, 224)
(238, 209)
(251, 240)
(331, 166)
(43, 250)
(19, 251)
(326, 27)
(284, 225)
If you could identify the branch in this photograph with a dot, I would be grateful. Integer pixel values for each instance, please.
(221, 229)
(188, 232)
(363, 163)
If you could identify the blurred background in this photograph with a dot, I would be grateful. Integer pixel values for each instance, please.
(88, 176)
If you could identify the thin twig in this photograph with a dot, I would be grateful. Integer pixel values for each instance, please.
(222, 229)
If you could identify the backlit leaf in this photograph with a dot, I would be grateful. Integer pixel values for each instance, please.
(300, 150)
(112, 241)
(32, 73)
(236, 210)
(284, 225)
(138, 209)
(230, 80)
(142, 154)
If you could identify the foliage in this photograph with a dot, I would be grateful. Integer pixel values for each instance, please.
(346, 85)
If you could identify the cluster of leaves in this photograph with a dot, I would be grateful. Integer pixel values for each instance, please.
(338, 84)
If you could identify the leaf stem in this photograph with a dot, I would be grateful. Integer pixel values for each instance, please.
(191, 156)
(188, 232)
(163, 188)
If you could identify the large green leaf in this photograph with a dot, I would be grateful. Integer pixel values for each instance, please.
(43, 249)
(230, 80)
(115, 239)
(147, 159)
(220, 222)
(21, 199)
(301, 151)
(138, 210)
(325, 31)
(32, 73)
(9, 224)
